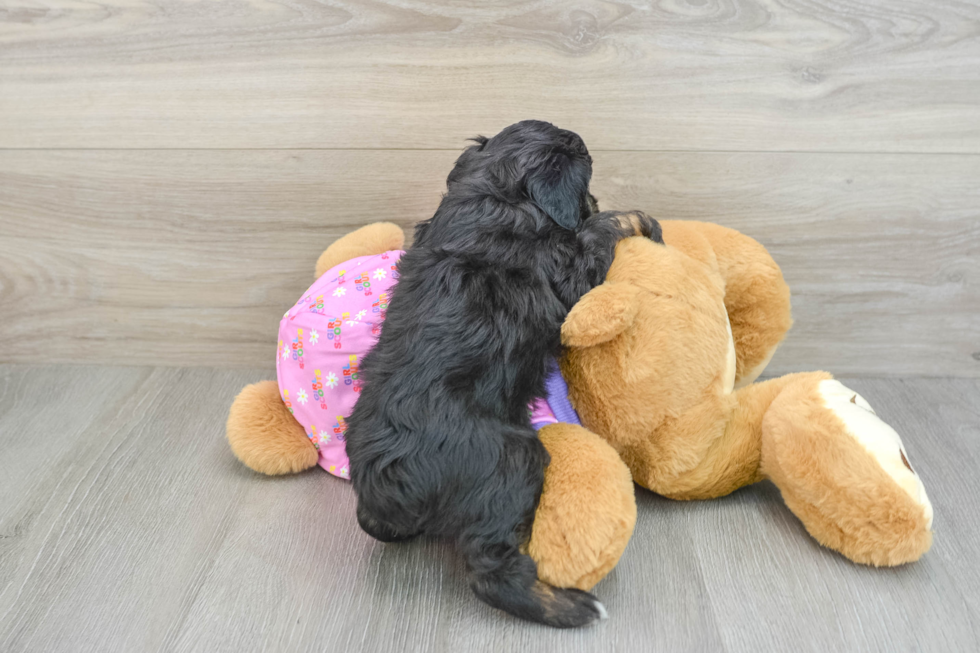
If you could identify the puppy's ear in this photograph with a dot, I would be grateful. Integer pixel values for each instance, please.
(602, 314)
(559, 187)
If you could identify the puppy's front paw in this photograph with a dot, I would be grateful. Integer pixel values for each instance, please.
(640, 224)
(647, 226)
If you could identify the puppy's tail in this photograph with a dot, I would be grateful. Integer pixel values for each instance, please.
(507, 579)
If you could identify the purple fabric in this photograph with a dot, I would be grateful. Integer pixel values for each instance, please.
(556, 398)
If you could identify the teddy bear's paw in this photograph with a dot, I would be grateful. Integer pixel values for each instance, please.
(264, 435)
(877, 438)
(845, 473)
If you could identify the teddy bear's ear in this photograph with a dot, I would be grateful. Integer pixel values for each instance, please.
(601, 315)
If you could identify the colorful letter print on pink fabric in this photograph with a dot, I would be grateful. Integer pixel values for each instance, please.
(322, 340)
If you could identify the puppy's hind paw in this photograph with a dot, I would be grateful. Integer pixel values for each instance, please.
(571, 608)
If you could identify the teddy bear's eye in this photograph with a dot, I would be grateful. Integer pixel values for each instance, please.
(905, 461)
(867, 408)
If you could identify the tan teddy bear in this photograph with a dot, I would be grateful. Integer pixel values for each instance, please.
(661, 363)
(660, 366)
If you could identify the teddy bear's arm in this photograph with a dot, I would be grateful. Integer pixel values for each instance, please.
(587, 509)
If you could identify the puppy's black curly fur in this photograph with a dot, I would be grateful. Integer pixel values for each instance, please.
(440, 439)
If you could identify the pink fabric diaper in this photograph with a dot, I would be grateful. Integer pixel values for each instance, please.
(322, 340)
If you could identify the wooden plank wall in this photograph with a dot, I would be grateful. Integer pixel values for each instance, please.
(170, 170)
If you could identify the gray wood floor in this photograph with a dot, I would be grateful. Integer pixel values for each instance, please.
(127, 525)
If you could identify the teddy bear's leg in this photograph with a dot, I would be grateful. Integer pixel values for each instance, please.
(710, 450)
(845, 473)
(587, 510)
(756, 295)
(375, 238)
(264, 435)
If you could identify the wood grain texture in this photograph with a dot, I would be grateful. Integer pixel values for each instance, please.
(126, 524)
(191, 257)
(759, 75)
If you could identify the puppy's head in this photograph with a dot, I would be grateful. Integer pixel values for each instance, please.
(531, 162)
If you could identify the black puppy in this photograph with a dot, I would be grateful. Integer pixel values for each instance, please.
(440, 439)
